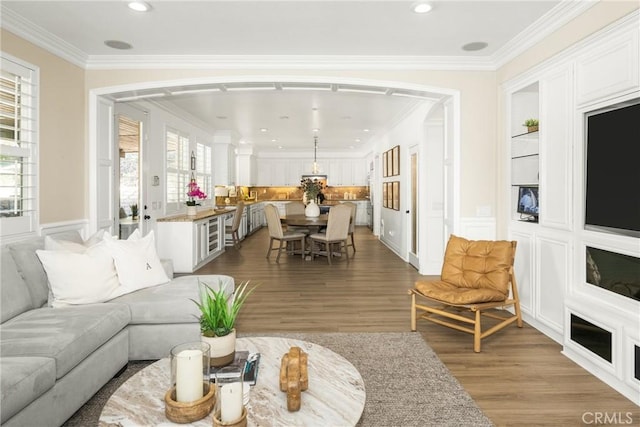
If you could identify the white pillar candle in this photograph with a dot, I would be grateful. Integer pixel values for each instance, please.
(231, 402)
(189, 376)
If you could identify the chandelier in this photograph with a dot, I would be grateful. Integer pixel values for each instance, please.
(315, 154)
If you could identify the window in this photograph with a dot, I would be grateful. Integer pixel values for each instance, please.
(203, 168)
(178, 160)
(18, 143)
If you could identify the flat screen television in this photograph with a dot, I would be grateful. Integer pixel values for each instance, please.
(528, 203)
(612, 170)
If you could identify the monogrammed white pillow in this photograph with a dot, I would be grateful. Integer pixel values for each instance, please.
(136, 261)
(83, 277)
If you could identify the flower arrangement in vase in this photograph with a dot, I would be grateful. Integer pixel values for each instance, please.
(218, 313)
(311, 188)
(193, 194)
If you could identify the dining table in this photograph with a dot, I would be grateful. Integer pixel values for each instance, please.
(314, 224)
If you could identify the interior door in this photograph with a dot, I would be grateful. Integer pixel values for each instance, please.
(129, 176)
(412, 219)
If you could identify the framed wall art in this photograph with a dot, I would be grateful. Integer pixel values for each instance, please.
(395, 169)
(385, 171)
(396, 195)
(384, 194)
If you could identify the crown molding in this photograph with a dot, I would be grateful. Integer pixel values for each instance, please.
(547, 24)
(35, 34)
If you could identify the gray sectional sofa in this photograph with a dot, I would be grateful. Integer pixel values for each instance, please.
(53, 360)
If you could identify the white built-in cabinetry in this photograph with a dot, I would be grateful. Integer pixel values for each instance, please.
(550, 263)
(287, 172)
(224, 162)
(191, 244)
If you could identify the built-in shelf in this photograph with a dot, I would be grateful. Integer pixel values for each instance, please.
(525, 134)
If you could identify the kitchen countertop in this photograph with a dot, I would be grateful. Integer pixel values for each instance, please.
(205, 213)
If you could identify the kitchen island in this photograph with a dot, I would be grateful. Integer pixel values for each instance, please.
(192, 241)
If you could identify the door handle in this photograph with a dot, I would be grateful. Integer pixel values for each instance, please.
(147, 217)
(407, 211)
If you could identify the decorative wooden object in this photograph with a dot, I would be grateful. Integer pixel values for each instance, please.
(294, 377)
(188, 412)
(240, 422)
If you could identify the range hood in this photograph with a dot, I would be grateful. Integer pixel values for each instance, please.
(322, 178)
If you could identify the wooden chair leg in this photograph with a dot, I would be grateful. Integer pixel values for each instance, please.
(282, 242)
(302, 244)
(270, 246)
(413, 312)
(477, 333)
(346, 250)
(329, 253)
(353, 244)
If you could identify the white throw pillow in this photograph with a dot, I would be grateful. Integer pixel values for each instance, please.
(80, 277)
(137, 261)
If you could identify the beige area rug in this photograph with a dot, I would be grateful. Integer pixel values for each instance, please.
(406, 383)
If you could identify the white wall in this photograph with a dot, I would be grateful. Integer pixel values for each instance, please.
(392, 224)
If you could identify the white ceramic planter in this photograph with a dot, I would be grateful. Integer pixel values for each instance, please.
(223, 349)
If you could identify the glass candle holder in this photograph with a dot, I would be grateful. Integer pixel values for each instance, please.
(190, 370)
(229, 394)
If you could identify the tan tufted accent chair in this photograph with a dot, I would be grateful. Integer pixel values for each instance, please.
(477, 277)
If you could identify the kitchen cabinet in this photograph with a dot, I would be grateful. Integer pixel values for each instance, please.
(224, 164)
(287, 173)
(191, 244)
(255, 217)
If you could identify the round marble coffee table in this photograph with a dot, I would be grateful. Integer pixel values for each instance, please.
(335, 396)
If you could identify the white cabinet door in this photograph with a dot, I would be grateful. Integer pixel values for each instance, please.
(336, 173)
(294, 172)
(609, 69)
(264, 172)
(358, 169)
(556, 136)
(224, 163)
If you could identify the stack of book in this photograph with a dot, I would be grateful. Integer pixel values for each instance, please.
(244, 362)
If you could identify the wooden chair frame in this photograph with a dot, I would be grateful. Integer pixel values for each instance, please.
(452, 315)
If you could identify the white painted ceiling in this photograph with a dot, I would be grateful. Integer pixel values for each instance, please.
(304, 32)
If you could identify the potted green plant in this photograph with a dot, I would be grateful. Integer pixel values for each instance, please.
(134, 211)
(531, 124)
(218, 313)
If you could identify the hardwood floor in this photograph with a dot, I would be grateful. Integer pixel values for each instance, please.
(519, 379)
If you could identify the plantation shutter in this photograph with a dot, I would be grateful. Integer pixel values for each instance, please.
(177, 168)
(18, 148)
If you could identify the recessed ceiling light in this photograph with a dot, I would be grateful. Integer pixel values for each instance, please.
(139, 6)
(470, 47)
(315, 130)
(117, 44)
(357, 139)
(263, 129)
(280, 147)
(421, 7)
(365, 130)
(274, 140)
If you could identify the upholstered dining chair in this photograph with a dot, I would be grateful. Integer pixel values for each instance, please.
(295, 208)
(235, 225)
(477, 279)
(352, 224)
(276, 232)
(336, 234)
